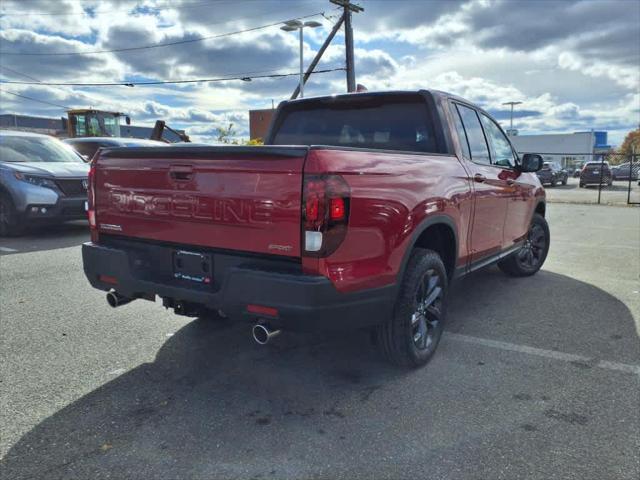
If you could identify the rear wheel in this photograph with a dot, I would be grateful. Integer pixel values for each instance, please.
(10, 222)
(411, 336)
(530, 258)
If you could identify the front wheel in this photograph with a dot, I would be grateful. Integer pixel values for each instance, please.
(411, 336)
(564, 182)
(529, 259)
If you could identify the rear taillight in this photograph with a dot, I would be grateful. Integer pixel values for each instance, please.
(325, 214)
(91, 202)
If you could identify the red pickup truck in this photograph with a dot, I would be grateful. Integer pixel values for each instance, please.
(358, 212)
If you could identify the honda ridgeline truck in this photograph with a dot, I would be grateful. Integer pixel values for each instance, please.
(358, 212)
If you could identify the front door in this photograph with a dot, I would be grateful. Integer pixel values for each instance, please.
(517, 186)
(491, 190)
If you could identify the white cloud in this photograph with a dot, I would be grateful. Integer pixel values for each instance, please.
(569, 76)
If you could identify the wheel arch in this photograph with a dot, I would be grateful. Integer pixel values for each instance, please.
(541, 208)
(437, 233)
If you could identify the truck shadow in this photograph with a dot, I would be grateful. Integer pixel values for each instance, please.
(213, 405)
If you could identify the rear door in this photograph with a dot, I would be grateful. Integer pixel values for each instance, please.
(233, 198)
(491, 192)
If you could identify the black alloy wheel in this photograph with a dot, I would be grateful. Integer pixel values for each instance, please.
(426, 327)
(410, 337)
(531, 256)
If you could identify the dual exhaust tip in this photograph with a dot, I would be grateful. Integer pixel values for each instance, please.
(114, 299)
(262, 332)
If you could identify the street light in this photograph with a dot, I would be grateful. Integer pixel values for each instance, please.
(292, 26)
(511, 123)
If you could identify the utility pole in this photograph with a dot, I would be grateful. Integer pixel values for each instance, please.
(348, 40)
(511, 121)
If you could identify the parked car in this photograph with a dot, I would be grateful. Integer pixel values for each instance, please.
(42, 180)
(626, 171)
(358, 212)
(88, 146)
(552, 174)
(596, 173)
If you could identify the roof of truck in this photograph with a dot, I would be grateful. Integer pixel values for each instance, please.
(377, 93)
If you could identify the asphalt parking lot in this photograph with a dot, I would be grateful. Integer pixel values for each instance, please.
(619, 193)
(535, 378)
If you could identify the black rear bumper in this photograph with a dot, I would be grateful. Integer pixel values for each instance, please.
(303, 302)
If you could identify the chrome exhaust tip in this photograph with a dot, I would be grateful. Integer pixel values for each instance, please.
(114, 299)
(262, 333)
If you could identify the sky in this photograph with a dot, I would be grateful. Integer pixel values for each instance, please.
(574, 64)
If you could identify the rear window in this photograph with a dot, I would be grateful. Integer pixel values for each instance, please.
(402, 124)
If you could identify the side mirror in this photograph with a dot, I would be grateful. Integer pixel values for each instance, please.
(127, 120)
(531, 162)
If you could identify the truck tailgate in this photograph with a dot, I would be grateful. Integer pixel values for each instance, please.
(236, 198)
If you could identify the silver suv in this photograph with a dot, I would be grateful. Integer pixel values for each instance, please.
(42, 180)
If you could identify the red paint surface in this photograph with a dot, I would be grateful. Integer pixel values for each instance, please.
(255, 206)
(237, 204)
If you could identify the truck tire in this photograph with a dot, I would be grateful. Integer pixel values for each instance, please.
(411, 336)
(10, 222)
(530, 258)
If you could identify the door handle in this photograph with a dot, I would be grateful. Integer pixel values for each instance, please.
(478, 177)
(181, 172)
(510, 181)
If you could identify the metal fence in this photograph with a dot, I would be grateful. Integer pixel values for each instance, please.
(601, 178)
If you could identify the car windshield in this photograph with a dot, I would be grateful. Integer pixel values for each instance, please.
(35, 149)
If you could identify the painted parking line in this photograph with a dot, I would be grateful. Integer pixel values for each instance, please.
(553, 354)
(7, 249)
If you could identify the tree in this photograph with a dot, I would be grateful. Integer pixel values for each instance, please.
(630, 141)
(225, 135)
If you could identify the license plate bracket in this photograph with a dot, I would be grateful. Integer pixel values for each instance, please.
(193, 266)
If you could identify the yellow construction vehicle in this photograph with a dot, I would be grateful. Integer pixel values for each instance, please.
(85, 122)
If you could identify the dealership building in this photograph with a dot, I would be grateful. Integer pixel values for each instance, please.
(567, 149)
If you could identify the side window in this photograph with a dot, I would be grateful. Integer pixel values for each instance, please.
(475, 135)
(464, 143)
(501, 148)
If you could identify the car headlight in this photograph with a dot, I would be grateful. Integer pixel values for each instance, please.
(35, 180)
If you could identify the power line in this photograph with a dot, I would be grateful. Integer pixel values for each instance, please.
(168, 82)
(15, 72)
(159, 45)
(19, 73)
(98, 12)
(34, 99)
